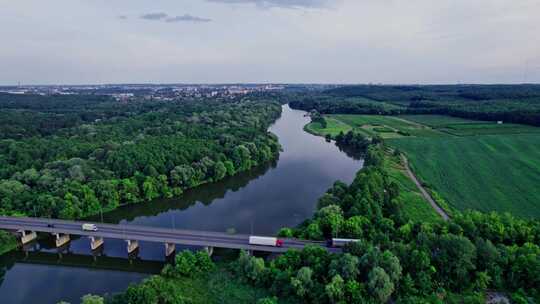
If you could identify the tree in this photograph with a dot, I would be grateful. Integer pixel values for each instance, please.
(335, 289)
(354, 226)
(272, 300)
(331, 220)
(92, 299)
(219, 171)
(250, 267)
(314, 232)
(391, 265)
(380, 285)
(183, 176)
(286, 232)
(203, 261)
(150, 189)
(303, 282)
(186, 263)
(346, 265)
(241, 158)
(454, 259)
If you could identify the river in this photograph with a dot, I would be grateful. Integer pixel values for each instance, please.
(259, 201)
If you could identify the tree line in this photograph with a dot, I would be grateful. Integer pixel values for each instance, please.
(113, 153)
(509, 103)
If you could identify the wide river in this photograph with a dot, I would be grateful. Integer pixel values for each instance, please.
(259, 201)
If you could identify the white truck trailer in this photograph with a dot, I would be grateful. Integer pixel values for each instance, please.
(265, 241)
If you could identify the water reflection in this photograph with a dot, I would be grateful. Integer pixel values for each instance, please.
(259, 201)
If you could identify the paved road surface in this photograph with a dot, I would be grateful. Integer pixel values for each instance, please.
(425, 194)
(143, 233)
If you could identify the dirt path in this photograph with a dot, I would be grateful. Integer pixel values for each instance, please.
(425, 194)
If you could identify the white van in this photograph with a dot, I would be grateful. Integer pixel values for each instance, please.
(89, 227)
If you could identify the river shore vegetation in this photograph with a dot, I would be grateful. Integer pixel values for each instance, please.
(74, 156)
(467, 164)
(408, 261)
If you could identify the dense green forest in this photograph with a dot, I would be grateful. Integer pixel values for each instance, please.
(509, 103)
(73, 156)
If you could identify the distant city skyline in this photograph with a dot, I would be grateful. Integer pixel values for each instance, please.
(269, 41)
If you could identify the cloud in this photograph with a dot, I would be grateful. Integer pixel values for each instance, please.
(170, 19)
(280, 3)
(154, 16)
(187, 18)
(122, 17)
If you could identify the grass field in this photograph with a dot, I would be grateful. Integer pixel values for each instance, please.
(333, 127)
(394, 127)
(415, 206)
(470, 164)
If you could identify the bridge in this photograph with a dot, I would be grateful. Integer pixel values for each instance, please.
(62, 229)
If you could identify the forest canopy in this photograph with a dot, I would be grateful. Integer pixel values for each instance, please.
(73, 156)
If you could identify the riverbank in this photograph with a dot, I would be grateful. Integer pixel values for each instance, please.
(7, 242)
(416, 205)
(213, 283)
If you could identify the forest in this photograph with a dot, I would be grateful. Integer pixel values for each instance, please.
(74, 156)
(508, 103)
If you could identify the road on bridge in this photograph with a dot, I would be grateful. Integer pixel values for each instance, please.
(151, 234)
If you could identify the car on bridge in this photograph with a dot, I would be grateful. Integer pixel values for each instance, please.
(89, 227)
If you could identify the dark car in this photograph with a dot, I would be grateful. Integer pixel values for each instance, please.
(50, 225)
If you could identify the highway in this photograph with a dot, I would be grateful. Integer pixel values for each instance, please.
(151, 234)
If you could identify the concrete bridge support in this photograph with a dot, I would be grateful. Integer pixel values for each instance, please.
(95, 242)
(170, 248)
(61, 239)
(27, 237)
(132, 246)
(209, 250)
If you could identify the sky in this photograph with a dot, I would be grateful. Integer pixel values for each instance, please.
(269, 41)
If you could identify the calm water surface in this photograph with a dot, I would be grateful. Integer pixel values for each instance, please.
(259, 201)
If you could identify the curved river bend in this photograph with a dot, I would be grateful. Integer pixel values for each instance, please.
(259, 201)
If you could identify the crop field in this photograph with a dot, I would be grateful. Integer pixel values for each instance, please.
(490, 172)
(470, 164)
(465, 127)
(439, 120)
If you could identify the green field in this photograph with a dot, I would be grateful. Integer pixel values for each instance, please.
(470, 164)
(333, 127)
(394, 127)
(439, 120)
(491, 172)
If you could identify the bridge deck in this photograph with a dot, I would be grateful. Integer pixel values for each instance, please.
(151, 234)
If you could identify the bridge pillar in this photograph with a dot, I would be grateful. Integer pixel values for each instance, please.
(95, 242)
(27, 237)
(170, 248)
(61, 239)
(132, 246)
(209, 250)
